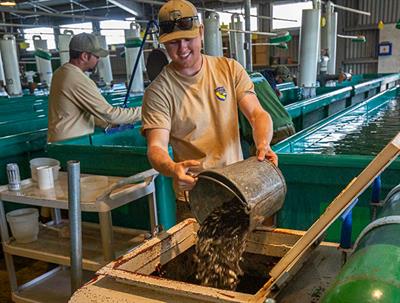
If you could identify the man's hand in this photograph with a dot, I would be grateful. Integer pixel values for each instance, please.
(265, 152)
(182, 180)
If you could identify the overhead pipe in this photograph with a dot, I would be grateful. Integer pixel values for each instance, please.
(359, 38)
(249, 32)
(247, 36)
(353, 10)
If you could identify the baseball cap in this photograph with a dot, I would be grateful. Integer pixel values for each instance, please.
(85, 42)
(283, 72)
(172, 12)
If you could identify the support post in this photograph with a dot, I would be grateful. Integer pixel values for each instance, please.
(74, 200)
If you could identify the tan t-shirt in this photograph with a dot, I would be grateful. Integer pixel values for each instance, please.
(75, 102)
(201, 112)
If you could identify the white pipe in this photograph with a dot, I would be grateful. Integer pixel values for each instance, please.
(43, 63)
(249, 32)
(353, 10)
(131, 53)
(247, 36)
(309, 47)
(2, 77)
(236, 41)
(349, 37)
(212, 35)
(104, 65)
(11, 68)
(63, 45)
(331, 37)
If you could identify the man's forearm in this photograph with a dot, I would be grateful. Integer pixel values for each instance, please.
(262, 129)
(161, 161)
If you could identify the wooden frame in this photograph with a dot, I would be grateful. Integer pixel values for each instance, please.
(135, 267)
(294, 247)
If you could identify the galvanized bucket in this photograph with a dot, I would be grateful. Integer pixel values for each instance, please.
(260, 186)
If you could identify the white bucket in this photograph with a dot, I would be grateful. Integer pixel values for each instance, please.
(24, 224)
(37, 162)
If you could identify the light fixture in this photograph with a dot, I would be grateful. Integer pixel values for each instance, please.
(7, 3)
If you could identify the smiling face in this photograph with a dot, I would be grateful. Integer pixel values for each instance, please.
(186, 54)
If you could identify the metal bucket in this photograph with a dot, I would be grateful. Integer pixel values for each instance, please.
(260, 186)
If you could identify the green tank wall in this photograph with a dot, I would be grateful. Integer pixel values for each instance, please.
(372, 274)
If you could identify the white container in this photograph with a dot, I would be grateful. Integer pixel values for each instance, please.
(8, 49)
(45, 177)
(37, 162)
(24, 224)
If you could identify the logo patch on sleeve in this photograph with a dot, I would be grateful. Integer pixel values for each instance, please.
(221, 93)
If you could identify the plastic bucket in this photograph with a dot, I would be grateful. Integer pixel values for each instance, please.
(24, 224)
(38, 162)
(259, 185)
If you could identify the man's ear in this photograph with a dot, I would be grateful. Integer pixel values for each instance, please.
(201, 31)
(84, 56)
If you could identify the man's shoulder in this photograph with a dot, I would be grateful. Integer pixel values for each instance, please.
(221, 63)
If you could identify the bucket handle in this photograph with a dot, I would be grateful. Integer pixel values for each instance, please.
(226, 187)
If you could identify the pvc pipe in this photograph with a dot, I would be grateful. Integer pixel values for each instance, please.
(309, 47)
(376, 190)
(63, 45)
(352, 10)
(212, 35)
(2, 76)
(74, 211)
(236, 41)
(331, 37)
(347, 226)
(243, 31)
(11, 68)
(43, 60)
(132, 50)
(104, 65)
(247, 37)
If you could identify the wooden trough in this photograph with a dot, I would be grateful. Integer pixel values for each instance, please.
(136, 268)
(130, 279)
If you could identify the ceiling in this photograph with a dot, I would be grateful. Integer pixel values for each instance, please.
(54, 12)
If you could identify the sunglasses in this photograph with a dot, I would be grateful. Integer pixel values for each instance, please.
(185, 23)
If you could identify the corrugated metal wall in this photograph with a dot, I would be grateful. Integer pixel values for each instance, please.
(359, 57)
(386, 10)
(363, 57)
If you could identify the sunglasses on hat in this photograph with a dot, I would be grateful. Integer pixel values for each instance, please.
(185, 23)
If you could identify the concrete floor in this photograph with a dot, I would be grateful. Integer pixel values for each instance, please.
(317, 274)
(26, 270)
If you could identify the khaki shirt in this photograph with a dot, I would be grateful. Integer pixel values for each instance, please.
(75, 102)
(201, 112)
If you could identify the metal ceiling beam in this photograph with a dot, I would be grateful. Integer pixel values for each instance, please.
(42, 7)
(129, 6)
(80, 4)
(59, 15)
